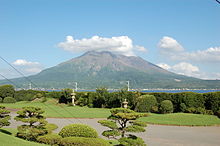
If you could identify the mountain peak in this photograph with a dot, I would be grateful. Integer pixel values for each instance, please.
(99, 53)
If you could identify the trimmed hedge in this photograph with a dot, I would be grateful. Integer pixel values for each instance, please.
(78, 130)
(50, 139)
(166, 106)
(9, 100)
(82, 141)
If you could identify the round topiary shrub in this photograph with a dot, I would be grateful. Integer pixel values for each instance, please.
(146, 103)
(9, 100)
(78, 130)
(82, 141)
(51, 139)
(166, 106)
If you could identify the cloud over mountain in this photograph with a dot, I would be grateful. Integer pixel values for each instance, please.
(171, 49)
(183, 68)
(28, 67)
(120, 45)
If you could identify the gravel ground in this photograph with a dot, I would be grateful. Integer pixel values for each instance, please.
(155, 135)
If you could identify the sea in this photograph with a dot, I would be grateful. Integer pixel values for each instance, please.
(164, 90)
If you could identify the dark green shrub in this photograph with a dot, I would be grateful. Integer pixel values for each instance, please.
(30, 133)
(218, 113)
(200, 110)
(154, 109)
(145, 103)
(131, 141)
(6, 91)
(191, 110)
(209, 112)
(212, 101)
(182, 107)
(166, 106)
(1, 100)
(50, 139)
(35, 123)
(82, 101)
(4, 117)
(78, 130)
(9, 100)
(82, 141)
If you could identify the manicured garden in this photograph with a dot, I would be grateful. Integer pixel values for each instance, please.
(185, 108)
(52, 109)
(182, 119)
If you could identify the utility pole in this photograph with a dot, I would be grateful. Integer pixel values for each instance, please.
(30, 86)
(76, 86)
(128, 84)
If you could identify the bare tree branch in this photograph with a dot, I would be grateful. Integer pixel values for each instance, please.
(218, 1)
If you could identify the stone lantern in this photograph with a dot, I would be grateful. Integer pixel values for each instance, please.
(73, 94)
(125, 104)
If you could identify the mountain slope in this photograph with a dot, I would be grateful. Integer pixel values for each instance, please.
(98, 69)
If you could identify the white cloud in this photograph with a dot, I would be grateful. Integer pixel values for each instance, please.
(164, 66)
(22, 62)
(182, 68)
(170, 48)
(121, 45)
(141, 48)
(28, 67)
(208, 55)
(187, 69)
(168, 44)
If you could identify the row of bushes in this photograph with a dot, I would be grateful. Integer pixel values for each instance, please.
(208, 103)
(74, 134)
(182, 102)
(7, 100)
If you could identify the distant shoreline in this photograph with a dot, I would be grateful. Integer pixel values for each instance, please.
(140, 90)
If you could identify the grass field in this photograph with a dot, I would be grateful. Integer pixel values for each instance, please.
(52, 109)
(182, 119)
(11, 140)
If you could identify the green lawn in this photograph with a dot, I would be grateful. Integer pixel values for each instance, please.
(182, 119)
(10, 140)
(60, 110)
(52, 109)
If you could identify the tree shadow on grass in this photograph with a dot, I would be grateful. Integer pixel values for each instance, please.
(5, 131)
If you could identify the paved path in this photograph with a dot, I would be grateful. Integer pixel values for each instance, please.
(155, 135)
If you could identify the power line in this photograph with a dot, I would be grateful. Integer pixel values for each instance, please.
(10, 81)
(18, 71)
(35, 86)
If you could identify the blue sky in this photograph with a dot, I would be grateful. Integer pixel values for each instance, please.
(182, 36)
